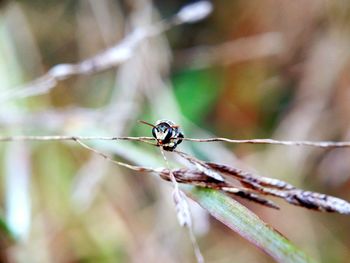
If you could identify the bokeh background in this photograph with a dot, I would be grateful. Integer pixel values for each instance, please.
(253, 69)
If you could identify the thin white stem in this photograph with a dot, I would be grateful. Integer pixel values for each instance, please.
(172, 177)
(183, 210)
(197, 251)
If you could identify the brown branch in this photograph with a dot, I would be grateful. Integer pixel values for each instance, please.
(286, 191)
(253, 186)
(190, 176)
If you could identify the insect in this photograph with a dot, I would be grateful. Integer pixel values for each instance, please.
(167, 134)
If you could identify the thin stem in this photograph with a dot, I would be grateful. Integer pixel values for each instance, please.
(171, 175)
(197, 251)
(72, 138)
(132, 167)
(318, 144)
(183, 210)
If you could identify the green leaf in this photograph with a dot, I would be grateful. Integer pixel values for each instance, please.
(196, 92)
(4, 229)
(247, 224)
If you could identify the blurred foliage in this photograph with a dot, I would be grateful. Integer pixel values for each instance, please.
(196, 93)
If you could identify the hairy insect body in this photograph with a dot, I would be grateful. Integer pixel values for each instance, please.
(167, 134)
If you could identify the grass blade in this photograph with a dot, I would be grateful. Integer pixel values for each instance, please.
(247, 224)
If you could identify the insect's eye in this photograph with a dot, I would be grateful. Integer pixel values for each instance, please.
(154, 132)
(168, 135)
(180, 136)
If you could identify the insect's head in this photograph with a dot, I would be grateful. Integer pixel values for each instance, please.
(166, 133)
(163, 131)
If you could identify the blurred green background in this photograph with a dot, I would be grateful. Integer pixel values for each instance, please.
(252, 69)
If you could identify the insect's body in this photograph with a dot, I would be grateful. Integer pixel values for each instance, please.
(167, 134)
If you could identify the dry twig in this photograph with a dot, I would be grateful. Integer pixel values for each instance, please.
(317, 144)
(253, 185)
(320, 144)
